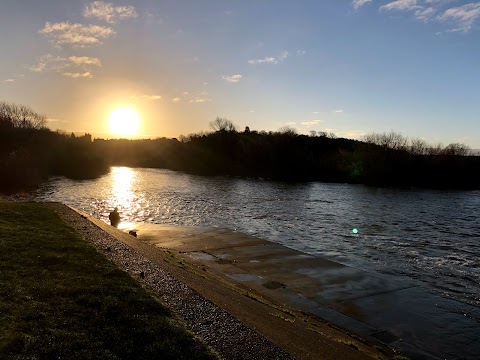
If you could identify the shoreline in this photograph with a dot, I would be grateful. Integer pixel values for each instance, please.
(237, 324)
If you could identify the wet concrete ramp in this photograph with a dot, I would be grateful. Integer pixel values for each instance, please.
(405, 317)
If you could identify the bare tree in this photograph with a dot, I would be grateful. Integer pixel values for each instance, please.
(456, 149)
(391, 140)
(20, 116)
(222, 124)
(435, 149)
(418, 147)
(332, 135)
(288, 130)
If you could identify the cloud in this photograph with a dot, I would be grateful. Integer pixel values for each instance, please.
(463, 16)
(8, 81)
(200, 100)
(266, 60)
(73, 66)
(76, 34)
(146, 97)
(203, 98)
(440, 2)
(301, 52)
(359, 3)
(78, 75)
(176, 100)
(108, 12)
(351, 134)
(232, 78)
(401, 5)
(270, 59)
(49, 63)
(339, 111)
(309, 123)
(424, 14)
(85, 60)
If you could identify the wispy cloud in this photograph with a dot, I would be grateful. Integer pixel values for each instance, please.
(349, 134)
(232, 78)
(462, 16)
(73, 66)
(108, 12)
(425, 14)
(76, 34)
(77, 75)
(359, 3)
(200, 100)
(8, 81)
(270, 59)
(301, 52)
(85, 60)
(310, 123)
(266, 60)
(49, 63)
(401, 5)
(339, 111)
(146, 97)
(176, 100)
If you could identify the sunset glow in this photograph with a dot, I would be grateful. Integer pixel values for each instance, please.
(124, 122)
(347, 68)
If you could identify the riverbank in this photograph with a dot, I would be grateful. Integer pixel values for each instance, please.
(60, 298)
(304, 291)
(221, 331)
(213, 307)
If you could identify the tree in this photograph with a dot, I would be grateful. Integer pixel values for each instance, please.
(456, 149)
(391, 140)
(223, 124)
(418, 147)
(288, 130)
(20, 117)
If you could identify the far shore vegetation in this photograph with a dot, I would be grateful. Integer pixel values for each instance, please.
(61, 299)
(30, 153)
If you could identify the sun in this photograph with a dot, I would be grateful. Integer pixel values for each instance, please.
(124, 121)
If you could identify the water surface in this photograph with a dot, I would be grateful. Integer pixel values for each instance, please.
(430, 237)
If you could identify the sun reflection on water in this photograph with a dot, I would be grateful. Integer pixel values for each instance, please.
(122, 194)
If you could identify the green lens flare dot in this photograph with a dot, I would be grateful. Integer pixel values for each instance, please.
(355, 231)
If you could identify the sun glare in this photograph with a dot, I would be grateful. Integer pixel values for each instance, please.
(124, 122)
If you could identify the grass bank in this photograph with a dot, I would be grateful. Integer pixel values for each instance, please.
(59, 298)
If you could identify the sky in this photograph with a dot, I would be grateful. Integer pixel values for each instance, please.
(340, 66)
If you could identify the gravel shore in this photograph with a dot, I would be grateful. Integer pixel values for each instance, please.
(228, 337)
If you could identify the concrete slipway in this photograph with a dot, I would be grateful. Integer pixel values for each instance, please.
(403, 316)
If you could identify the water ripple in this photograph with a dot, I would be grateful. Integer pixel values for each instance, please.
(431, 237)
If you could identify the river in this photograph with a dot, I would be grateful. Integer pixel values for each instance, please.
(430, 237)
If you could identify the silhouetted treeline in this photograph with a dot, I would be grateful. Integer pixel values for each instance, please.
(381, 159)
(30, 153)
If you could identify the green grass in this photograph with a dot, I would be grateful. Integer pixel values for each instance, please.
(60, 298)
